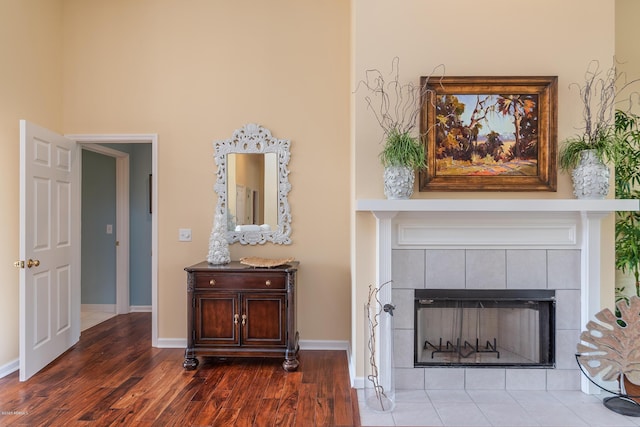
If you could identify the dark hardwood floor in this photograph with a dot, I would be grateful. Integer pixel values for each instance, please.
(114, 377)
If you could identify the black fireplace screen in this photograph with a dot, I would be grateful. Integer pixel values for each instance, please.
(506, 327)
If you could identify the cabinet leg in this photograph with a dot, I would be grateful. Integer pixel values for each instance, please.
(291, 357)
(190, 364)
(190, 360)
(290, 365)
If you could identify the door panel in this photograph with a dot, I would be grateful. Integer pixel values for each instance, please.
(50, 289)
(42, 289)
(265, 323)
(216, 324)
(63, 286)
(63, 235)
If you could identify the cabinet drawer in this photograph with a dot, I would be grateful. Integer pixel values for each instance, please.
(240, 281)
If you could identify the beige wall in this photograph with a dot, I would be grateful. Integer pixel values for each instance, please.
(30, 88)
(627, 35)
(192, 72)
(472, 38)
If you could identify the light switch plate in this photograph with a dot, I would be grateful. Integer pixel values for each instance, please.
(184, 234)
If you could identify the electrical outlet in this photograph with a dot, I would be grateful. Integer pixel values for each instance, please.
(184, 234)
(109, 228)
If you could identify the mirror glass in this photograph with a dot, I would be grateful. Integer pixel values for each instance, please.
(252, 190)
(252, 185)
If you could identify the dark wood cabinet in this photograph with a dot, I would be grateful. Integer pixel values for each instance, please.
(234, 310)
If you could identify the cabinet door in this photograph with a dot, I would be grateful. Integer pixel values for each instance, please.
(216, 322)
(265, 323)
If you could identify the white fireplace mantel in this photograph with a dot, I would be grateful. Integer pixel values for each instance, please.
(581, 227)
(496, 205)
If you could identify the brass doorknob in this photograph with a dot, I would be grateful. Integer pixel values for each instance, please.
(30, 263)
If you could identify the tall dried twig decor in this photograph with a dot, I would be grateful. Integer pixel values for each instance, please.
(374, 309)
(601, 94)
(395, 105)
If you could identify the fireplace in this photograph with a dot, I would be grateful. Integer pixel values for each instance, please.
(484, 328)
(473, 244)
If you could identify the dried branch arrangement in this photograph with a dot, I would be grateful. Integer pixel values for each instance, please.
(374, 308)
(395, 105)
(599, 95)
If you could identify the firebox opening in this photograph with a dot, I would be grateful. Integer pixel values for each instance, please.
(484, 328)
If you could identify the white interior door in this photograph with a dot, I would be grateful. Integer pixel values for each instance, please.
(49, 223)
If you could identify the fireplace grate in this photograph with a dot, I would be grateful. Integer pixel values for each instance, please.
(464, 351)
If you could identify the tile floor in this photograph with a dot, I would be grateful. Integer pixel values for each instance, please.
(460, 408)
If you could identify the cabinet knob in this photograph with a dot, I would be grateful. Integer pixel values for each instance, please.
(268, 283)
(244, 319)
(235, 318)
(212, 282)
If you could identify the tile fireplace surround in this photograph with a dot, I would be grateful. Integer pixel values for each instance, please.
(491, 244)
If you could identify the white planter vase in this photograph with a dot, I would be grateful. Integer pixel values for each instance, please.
(590, 177)
(398, 182)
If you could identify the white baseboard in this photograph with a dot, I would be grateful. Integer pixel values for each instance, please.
(357, 382)
(172, 342)
(103, 308)
(324, 345)
(111, 308)
(139, 309)
(9, 368)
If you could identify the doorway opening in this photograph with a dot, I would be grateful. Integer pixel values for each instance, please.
(116, 146)
(104, 277)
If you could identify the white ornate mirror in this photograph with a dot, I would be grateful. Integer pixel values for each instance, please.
(252, 185)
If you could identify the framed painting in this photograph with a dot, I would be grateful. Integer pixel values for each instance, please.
(489, 133)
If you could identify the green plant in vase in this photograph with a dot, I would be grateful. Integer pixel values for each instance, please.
(403, 149)
(573, 148)
(586, 154)
(396, 107)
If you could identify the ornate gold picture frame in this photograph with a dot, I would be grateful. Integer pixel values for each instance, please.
(489, 133)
